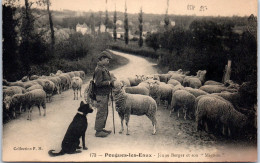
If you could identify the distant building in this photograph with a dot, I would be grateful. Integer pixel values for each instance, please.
(120, 33)
(84, 29)
(172, 23)
(102, 28)
(119, 22)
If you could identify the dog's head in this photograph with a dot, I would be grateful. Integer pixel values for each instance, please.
(85, 108)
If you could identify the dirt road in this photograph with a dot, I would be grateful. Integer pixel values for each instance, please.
(176, 139)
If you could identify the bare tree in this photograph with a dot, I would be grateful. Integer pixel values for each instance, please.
(126, 25)
(48, 3)
(114, 31)
(140, 18)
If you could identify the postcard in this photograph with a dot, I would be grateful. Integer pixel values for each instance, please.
(129, 81)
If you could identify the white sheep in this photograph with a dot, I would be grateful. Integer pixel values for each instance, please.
(195, 92)
(59, 72)
(48, 87)
(34, 77)
(221, 113)
(82, 74)
(195, 81)
(76, 84)
(134, 81)
(36, 86)
(213, 88)
(164, 77)
(71, 74)
(37, 98)
(212, 82)
(10, 91)
(16, 103)
(134, 104)
(137, 90)
(57, 81)
(182, 99)
(25, 79)
(178, 77)
(161, 91)
(173, 82)
(125, 81)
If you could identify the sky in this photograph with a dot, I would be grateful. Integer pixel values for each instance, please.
(177, 7)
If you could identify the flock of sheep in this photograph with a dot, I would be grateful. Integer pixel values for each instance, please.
(213, 105)
(37, 90)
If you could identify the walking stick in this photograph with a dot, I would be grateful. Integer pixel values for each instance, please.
(113, 112)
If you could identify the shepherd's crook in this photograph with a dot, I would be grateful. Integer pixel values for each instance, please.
(113, 112)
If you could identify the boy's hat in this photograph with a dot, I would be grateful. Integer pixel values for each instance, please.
(105, 54)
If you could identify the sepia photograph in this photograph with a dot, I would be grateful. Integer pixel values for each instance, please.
(129, 80)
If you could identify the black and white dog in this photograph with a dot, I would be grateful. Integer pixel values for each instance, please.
(76, 129)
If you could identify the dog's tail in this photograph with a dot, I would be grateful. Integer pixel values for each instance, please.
(56, 154)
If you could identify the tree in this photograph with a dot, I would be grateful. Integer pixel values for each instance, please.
(106, 19)
(51, 25)
(140, 18)
(166, 18)
(152, 40)
(92, 23)
(114, 31)
(10, 56)
(126, 26)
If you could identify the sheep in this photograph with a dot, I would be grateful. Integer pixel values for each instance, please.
(219, 112)
(71, 74)
(34, 77)
(125, 81)
(195, 92)
(185, 100)
(134, 81)
(37, 98)
(177, 77)
(161, 91)
(17, 83)
(48, 87)
(25, 79)
(30, 83)
(201, 74)
(57, 82)
(176, 72)
(17, 102)
(156, 77)
(10, 91)
(164, 77)
(5, 82)
(147, 83)
(59, 72)
(64, 82)
(137, 90)
(146, 77)
(232, 85)
(77, 73)
(213, 88)
(36, 86)
(195, 81)
(212, 82)
(76, 84)
(7, 102)
(82, 74)
(134, 104)
(177, 87)
(173, 82)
